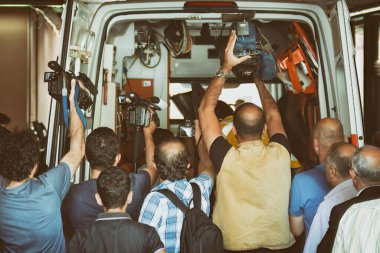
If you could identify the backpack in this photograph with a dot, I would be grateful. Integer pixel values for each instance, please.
(198, 233)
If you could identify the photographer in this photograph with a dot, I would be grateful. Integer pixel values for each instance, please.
(245, 174)
(102, 151)
(30, 217)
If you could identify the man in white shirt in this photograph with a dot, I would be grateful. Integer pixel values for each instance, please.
(365, 175)
(338, 164)
(359, 229)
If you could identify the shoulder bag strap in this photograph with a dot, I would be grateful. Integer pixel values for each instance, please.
(197, 195)
(174, 199)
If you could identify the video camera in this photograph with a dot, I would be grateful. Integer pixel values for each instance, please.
(138, 113)
(57, 78)
(186, 129)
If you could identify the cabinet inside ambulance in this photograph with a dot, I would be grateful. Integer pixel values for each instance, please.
(164, 55)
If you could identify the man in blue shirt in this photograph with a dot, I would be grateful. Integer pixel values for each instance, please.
(310, 187)
(102, 151)
(30, 217)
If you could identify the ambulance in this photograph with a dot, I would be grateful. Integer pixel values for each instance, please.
(139, 54)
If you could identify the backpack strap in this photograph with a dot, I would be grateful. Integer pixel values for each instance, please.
(196, 195)
(174, 199)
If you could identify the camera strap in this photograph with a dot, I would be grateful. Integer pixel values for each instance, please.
(64, 106)
(79, 111)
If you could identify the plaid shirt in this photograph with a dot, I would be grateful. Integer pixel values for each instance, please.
(159, 212)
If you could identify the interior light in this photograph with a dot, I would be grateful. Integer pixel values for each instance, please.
(206, 4)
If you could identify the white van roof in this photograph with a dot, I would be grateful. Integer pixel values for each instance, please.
(325, 4)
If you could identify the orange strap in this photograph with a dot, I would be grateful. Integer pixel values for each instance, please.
(289, 59)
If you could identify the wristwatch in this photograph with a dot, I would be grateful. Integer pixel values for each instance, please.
(220, 73)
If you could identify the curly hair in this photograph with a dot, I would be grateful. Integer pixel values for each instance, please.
(20, 153)
(171, 159)
(102, 147)
(113, 185)
(4, 136)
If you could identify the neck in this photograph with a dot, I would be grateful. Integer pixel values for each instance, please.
(241, 140)
(340, 180)
(95, 173)
(322, 156)
(117, 210)
(361, 185)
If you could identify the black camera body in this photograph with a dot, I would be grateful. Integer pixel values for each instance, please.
(138, 113)
(56, 79)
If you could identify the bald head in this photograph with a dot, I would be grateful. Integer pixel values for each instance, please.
(366, 164)
(339, 156)
(171, 159)
(249, 121)
(328, 131)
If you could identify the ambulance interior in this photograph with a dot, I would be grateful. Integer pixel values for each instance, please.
(123, 52)
(140, 56)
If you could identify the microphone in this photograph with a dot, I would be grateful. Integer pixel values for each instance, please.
(159, 102)
(153, 99)
(162, 104)
(55, 66)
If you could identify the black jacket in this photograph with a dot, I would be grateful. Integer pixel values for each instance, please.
(115, 232)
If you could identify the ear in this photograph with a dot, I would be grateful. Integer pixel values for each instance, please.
(233, 130)
(332, 170)
(130, 197)
(353, 174)
(117, 159)
(316, 146)
(98, 199)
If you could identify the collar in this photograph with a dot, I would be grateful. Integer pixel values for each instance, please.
(171, 185)
(113, 216)
(250, 143)
(339, 188)
(321, 166)
(366, 188)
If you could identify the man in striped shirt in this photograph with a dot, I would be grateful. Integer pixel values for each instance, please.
(359, 229)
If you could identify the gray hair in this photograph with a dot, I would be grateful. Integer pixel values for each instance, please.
(340, 155)
(366, 163)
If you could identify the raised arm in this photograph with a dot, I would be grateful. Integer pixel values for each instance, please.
(76, 152)
(272, 115)
(149, 151)
(205, 164)
(209, 122)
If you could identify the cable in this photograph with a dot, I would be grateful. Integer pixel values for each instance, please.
(42, 13)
